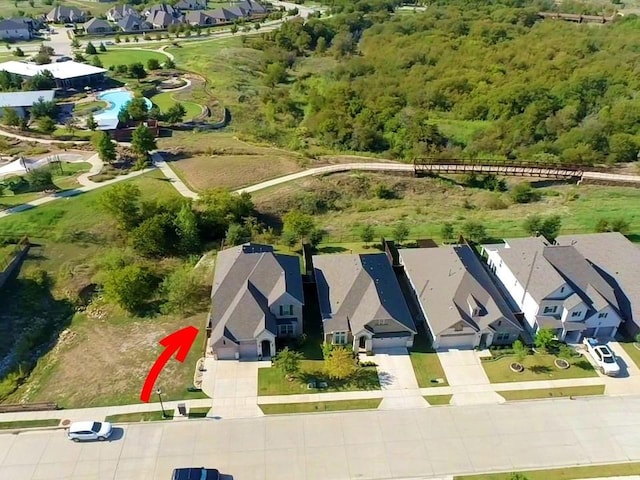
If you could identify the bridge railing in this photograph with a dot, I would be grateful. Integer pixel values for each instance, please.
(504, 163)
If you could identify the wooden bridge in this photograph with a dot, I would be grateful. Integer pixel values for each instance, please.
(577, 18)
(513, 168)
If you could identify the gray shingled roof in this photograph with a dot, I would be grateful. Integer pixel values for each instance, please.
(447, 279)
(12, 25)
(618, 261)
(24, 99)
(96, 22)
(356, 290)
(245, 279)
(582, 277)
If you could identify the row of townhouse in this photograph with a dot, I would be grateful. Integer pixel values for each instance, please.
(19, 28)
(583, 286)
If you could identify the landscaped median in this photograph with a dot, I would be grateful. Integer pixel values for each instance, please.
(18, 424)
(315, 407)
(438, 399)
(571, 473)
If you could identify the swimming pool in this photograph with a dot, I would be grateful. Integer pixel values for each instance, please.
(107, 119)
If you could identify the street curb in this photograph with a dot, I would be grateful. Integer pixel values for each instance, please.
(16, 431)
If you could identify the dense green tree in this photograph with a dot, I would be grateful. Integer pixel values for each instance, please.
(142, 142)
(122, 202)
(175, 113)
(105, 147)
(90, 49)
(474, 231)
(42, 108)
(447, 232)
(182, 291)
(623, 147)
(10, 117)
(186, 223)
(298, 224)
(129, 286)
(91, 123)
(136, 70)
(544, 339)
(40, 179)
(367, 234)
(41, 81)
(102, 48)
(524, 193)
(340, 363)
(138, 108)
(153, 64)
(400, 232)
(46, 124)
(288, 361)
(152, 237)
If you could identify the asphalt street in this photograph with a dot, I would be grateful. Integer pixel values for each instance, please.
(366, 445)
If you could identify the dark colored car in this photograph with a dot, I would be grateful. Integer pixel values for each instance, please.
(195, 474)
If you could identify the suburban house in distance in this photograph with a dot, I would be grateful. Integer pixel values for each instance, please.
(65, 14)
(66, 74)
(616, 259)
(256, 297)
(117, 13)
(461, 305)
(191, 5)
(21, 102)
(11, 29)
(134, 23)
(97, 26)
(555, 287)
(361, 302)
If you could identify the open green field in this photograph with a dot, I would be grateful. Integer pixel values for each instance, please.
(166, 100)
(552, 392)
(126, 56)
(73, 235)
(425, 204)
(537, 367)
(570, 473)
(316, 407)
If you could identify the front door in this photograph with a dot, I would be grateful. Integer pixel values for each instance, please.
(483, 340)
(362, 343)
(266, 349)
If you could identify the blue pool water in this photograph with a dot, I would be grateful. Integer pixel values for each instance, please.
(108, 118)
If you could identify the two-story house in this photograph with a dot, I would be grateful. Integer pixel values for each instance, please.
(461, 305)
(256, 297)
(361, 302)
(555, 287)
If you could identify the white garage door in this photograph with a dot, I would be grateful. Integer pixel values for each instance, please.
(226, 353)
(456, 341)
(390, 342)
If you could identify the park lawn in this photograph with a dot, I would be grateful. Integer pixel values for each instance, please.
(426, 364)
(315, 407)
(51, 422)
(570, 473)
(552, 392)
(633, 350)
(537, 367)
(438, 399)
(271, 381)
(216, 159)
(85, 108)
(126, 56)
(72, 234)
(140, 417)
(165, 100)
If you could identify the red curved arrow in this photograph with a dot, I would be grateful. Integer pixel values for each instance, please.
(179, 342)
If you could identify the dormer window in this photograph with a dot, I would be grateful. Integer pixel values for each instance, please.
(286, 310)
(381, 321)
(576, 313)
(603, 315)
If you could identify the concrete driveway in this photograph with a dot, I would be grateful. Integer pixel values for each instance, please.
(397, 379)
(463, 369)
(233, 386)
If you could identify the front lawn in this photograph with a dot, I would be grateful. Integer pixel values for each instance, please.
(271, 381)
(426, 364)
(552, 392)
(314, 407)
(537, 367)
(572, 473)
(633, 350)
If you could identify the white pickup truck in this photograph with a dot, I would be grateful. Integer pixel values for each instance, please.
(603, 356)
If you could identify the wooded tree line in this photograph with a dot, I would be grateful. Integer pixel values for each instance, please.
(472, 78)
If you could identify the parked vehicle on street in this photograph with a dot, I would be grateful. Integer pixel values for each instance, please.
(603, 356)
(200, 473)
(82, 431)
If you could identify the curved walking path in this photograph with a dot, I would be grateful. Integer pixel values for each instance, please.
(48, 141)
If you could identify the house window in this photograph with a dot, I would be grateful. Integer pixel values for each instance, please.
(286, 310)
(502, 337)
(553, 309)
(576, 313)
(381, 321)
(603, 315)
(339, 338)
(561, 289)
(286, 330)
(458, 327)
